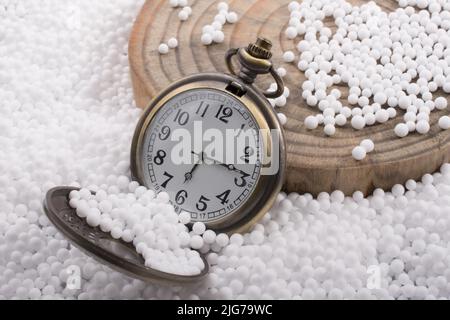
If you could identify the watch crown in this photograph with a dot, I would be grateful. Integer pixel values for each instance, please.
(260, 49)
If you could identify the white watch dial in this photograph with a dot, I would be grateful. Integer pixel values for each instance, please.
(210, 183)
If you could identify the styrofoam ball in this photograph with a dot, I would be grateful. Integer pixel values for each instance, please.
(172, 43)
(440, 103)
(199, 228)
(288, 56)
(422, 127)
(232, 17)
(444, 122)
(311, 122)
(401, 130)
(184, 217)
(368, 145)
(163, 48)
(222, 239)
(359, 153)
(209, 236)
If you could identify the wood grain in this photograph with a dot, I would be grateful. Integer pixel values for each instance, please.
(316, 163)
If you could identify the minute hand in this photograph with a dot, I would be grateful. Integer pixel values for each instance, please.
(228, 166)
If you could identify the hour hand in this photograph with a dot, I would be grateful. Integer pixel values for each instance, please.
(188, 175)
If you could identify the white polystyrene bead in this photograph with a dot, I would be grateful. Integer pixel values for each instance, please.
(220, 18)
(291, 32)
(218, 36)
(232, 17)
(174, 3)
(398, 190)
(293, 6)
(444, 122)
(281, 72)
(172, 43)
(368, 145)
(280, 101)
(183, 15)
(199, 228)
(359, 153)
(187, 9)
(311, 122)
(209, 236)
(440, 103)
(358, 122)
(196, 242)
(184, 217)
(163, 48)
(288, 56)
(329, 130)
(207, 39)
(222, 6)
(401, 130)
(422, 127)
(282, 118)
(382, 116)
(411, 184)
(222, 239)
(341, 120)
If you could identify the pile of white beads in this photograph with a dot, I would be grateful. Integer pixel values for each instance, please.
(73, 125)
(212, 33)
(136, 215)
(366, 146)
(390, 62)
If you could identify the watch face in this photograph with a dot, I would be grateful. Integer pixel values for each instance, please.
(203, 148)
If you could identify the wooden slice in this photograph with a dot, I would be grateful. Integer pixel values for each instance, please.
(316, 163)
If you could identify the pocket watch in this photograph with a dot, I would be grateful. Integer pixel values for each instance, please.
(214, 144)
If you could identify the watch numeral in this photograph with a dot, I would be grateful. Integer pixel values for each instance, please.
(169, 177)
(160, 156)
(241, 182)
(182, 117)
(248, 152)
(165, 133)
(223, 197)
(224, 113)
(201, 204)
(202, 109)
(181, 196)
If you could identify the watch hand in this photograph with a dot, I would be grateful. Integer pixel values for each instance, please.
(233, 168)
(228, 166)
(188, 175)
